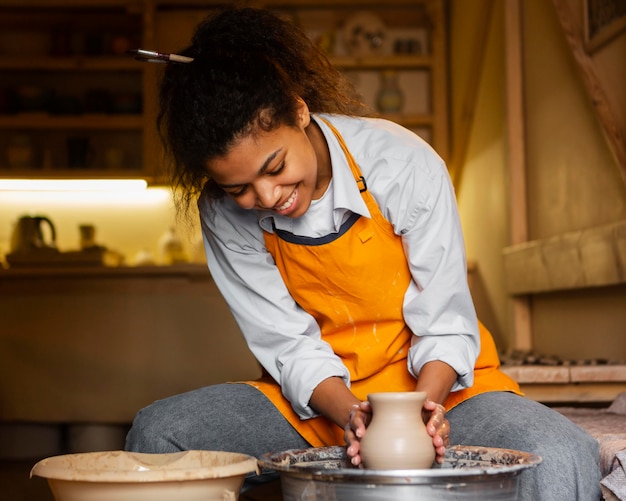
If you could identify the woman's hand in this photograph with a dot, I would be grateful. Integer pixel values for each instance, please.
(434, 415)
(360, 417)
(437, 427)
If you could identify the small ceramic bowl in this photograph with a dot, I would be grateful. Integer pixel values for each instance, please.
(131, 476)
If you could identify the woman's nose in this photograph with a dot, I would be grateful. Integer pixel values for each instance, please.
(267, 193)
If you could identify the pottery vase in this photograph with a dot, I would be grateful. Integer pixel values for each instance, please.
(390, 98)
(20, 152)
(171, 248)
(396, 438)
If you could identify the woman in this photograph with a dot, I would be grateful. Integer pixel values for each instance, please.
(336, 242)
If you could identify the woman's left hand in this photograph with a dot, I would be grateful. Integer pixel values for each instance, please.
(437, 427)
(360, 417)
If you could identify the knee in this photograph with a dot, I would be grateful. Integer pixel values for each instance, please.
(568, 441)
(588, 455)
(570, 465)
(149, 431)
(590, 446)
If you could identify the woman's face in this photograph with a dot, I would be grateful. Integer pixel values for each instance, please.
(281, 170)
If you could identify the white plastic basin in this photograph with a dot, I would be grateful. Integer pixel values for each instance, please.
(131, 476)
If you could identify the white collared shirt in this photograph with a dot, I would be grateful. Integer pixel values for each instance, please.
(410, 183)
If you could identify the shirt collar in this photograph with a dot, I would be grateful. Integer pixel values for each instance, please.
(346, 194)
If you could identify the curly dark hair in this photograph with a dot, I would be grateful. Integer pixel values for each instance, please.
(248, 68)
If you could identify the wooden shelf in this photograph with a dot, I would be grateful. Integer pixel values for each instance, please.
(87, 121)
(67, 173)
(382, 62)
(67, 3)
(73, 63)
(409, 120)
(196, 271)
(169, 24)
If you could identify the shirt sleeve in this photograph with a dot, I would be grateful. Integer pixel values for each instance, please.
(284, 338)
(418, 198)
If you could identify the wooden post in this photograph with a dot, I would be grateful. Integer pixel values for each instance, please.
(439, 83)
(517, 157)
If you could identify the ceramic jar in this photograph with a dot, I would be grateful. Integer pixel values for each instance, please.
(87, 236)
(396, 438)
(390, 98)
(171, 248)
(20, 152)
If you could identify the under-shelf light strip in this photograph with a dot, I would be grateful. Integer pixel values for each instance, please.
(73, 184)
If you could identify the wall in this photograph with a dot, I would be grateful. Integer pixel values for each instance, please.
(573, 181)
(482, 198)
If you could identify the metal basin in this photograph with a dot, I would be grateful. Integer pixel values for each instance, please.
(468, 473)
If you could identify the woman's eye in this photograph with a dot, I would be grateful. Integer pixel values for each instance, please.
(238, 192)
(278, 170)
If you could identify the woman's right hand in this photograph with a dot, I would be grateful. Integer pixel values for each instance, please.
(361, 415)
(354, 431)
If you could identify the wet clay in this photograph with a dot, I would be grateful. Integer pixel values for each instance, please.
(397, 439)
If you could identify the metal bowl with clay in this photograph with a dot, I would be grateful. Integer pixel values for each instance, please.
(468, 473)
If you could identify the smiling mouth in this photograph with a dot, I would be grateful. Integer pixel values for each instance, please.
(288, 203)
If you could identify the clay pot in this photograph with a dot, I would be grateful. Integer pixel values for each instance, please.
(397, 439)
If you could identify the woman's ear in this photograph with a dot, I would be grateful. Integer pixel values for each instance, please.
(302, 110)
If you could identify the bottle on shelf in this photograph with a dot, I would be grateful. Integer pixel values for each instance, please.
(390, 98)
(20, 153)
(171, 248)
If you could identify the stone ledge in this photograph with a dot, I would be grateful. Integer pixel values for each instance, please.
(538, 374)
(566, 374)
(607, 373)
(593, 257)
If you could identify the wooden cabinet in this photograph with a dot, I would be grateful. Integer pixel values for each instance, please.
(384, 48)
(403, 41)
(96, 345)
(73, 104)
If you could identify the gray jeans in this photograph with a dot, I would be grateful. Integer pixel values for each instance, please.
(239, 418)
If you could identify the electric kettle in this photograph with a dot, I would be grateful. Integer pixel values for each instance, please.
(28, 235)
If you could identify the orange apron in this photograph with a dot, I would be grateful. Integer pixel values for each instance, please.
(354, 287)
